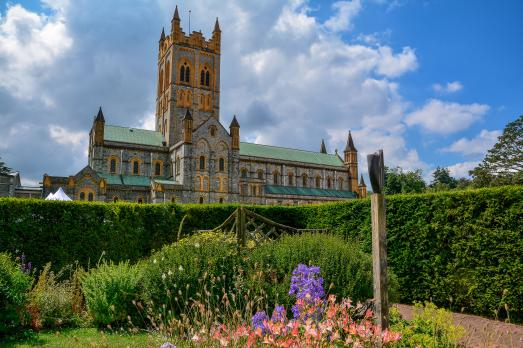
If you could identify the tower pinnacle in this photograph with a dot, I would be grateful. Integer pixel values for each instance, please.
(176, 16)
(323, 149)
(217, 26)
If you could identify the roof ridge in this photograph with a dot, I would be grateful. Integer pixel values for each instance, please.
(147, 130)
(289, 148)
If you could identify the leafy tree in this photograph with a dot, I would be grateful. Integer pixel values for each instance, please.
(399, 181)
(442, 180)
(3, 168)
(503, 164)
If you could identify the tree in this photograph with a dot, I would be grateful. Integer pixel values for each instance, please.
(3, 168)
(503, 164)
(442, 180)
(399, 181)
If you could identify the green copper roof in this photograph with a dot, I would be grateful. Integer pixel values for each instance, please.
(286, 154)
(307, 191)
(133, 136)
(111, 178)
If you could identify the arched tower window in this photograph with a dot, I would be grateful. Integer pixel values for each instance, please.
(221, 165)
(167, 73)
(136, 167)
(187, 74)
(202, 77)
(207, 78)
(202, 162)
(160, 83)
(318, 181)
(182, 73)
(304, 180)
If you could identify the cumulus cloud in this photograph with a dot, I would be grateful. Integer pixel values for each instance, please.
(345, 12)
(29, 44)
(450, 87)
(461, 170)
(442, 117)
(475, 146)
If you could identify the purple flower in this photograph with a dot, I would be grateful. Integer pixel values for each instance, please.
(279, 314)
(167, 345)
(258, 320)
(306, 283)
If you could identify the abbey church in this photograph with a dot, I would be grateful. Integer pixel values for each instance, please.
(191, 157)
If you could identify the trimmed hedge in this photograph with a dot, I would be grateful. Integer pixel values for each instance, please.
(458, 248)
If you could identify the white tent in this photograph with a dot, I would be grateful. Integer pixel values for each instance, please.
(59, 195)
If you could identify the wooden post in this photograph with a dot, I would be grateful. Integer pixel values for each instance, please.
(379, 260)
(241, 235)
(379, 240)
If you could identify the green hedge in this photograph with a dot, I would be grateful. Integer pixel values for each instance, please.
(459, 248)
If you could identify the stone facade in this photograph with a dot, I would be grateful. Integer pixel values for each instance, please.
(190, 157)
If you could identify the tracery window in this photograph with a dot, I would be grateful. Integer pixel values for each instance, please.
(205, 77)
(185, 73)
(136, 167)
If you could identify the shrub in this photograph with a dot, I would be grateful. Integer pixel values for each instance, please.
(346, 269)
(14, 285)
(185, 270)
(53, 302)
(429, 327)
(110, 291)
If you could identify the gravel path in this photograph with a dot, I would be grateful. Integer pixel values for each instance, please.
(481, 332)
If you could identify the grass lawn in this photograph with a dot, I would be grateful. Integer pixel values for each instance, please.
(93, 338)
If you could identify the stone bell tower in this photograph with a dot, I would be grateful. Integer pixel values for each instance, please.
(351, 162)
(188, 79)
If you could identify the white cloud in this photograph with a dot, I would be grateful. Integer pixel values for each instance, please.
(477, 145)
(442, 117)
(64, 136)
(394, 65)
(450, 87)
(345, 12)
(294, 19)
(461, 170)
(29, 44)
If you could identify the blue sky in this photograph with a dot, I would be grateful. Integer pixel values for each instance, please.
(431, 82)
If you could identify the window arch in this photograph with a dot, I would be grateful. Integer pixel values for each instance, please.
(202, 77)
(113, 165)
(157, 168)
(202, 162)
(207, 78)
(90, 197)
(221, 164)
(182, 73)
(260, 174)
(185, 73)
(135, 166)
(243, 173)
(329, 182)
(290, 178)
(167, 71)
(304, 180)
(276, 177)
(340, 183)
(318, 181)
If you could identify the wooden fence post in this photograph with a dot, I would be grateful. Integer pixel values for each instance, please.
(379, 240)
(241, 233)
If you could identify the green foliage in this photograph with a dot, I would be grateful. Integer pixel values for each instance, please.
(429, 327)
(13, 289)
(442, 180)
(399, 181)
(56, 303)
(503, 164)
(4, 169)
(181, 271)
(346, 269)
(110, 290)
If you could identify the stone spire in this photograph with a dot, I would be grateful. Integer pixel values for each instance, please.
(162, 36)
(217, 26)
(350, 144)
(100, 116)
(188, 115)
(176, 16)
(323, 149)
(362, 182)
(235, 133)
(234, 123)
